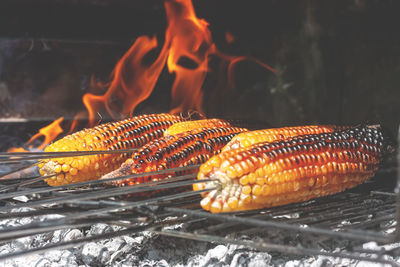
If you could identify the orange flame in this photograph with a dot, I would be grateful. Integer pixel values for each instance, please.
(187, 37)
(49, 132)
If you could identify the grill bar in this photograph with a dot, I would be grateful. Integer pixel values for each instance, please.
(18, 156)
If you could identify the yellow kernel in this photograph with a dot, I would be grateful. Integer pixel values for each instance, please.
(239, 169)
(205, 203)
(247, 142)
(65, 168)
(246, 189)
(252, 178)
(74, 163)
(260, 172)
(215, 161)
(60, 178)
(73, 171)
(57, 168)
(231, 172)
(205, 168)
(260, 181)
(257, 190)
(233, 202)
(69, 177)
(266, 189)
(225, 164)
(244, 180)
(216, 207)
(81, 165)
(246, 199)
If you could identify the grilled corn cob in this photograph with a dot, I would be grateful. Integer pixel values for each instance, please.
(293, 170)
(173, 151)
(270, 135)
(185, 126)
(126, 134)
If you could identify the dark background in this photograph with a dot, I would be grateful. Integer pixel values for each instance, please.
(337, 61)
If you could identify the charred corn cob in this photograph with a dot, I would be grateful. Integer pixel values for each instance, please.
(270, 135)
(293, 170)
(173, 151)
(185, 126)
(129, 133)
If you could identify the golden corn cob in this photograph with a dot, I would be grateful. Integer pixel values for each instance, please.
(173, 151)
(294, 170)
(185, 126)
(126, 134)
(274, 134)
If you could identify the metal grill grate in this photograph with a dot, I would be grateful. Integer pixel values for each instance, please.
(335, 226)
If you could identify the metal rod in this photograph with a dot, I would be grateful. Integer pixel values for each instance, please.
(17, 156)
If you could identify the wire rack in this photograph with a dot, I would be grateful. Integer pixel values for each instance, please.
(334, 226)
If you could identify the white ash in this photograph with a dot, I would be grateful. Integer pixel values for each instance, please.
(148, 249)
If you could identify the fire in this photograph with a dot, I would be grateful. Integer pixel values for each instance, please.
(49, 132)
(186, 37)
